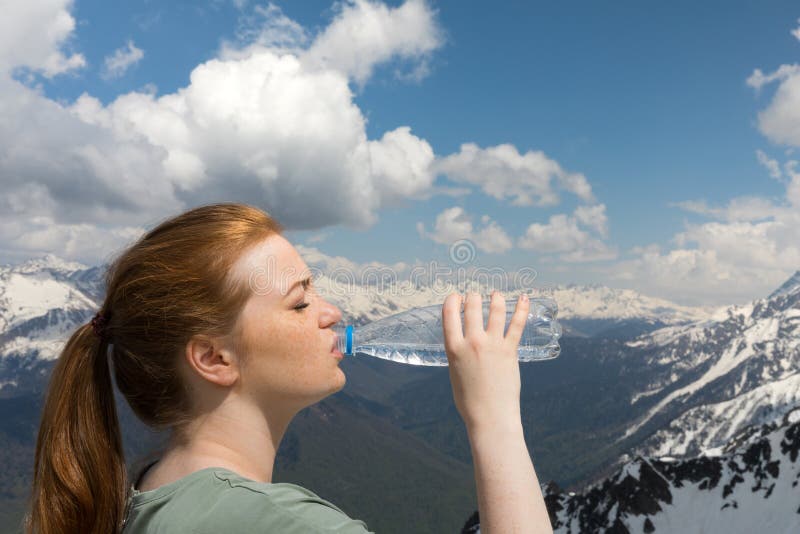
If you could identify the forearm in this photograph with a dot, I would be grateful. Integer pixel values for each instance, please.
(509, 497)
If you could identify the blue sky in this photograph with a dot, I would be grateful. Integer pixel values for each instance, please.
(649, 102)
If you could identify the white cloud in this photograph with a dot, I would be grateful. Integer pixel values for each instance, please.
(454, 224)
(569, 236)
(758, 79)
(503, 173)
(745, 208)
(365, 34)
(796, 31)
(594, 217)
(33, 34)
(401, 165)
(750, 249)
(264, 127)
(317, 238)
(780, 121)
(793, 187)
(565, 236)
(770, 164)
(118, 63)
(266, 26)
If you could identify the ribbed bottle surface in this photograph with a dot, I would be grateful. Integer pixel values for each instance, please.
(416, 336)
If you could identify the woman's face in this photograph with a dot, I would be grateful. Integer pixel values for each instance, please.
(285, 330)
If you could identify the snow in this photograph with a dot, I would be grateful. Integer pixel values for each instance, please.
(574, 301)
(630, 470)
(40, 290)
(757, 331)
(759, 503)
(710, 426)
(794, 417)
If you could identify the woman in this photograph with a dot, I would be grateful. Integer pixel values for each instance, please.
(218, 336)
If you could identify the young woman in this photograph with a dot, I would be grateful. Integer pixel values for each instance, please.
(217, 335)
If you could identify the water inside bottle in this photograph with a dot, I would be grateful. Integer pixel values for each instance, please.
(426, 354)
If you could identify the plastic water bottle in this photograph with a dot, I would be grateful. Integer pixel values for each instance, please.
(416, 336)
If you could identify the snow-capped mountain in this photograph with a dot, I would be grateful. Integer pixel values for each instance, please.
(789, 286)
(705, 428)
(41, 302)
(366, 292)
(709, 380)
(43, 298)
(753, 485)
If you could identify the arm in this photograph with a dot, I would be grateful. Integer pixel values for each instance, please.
(509, 496)
(484, 373)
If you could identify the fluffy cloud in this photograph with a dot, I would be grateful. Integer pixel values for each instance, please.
(362, 35)
(265, 26)
(571, 236)
(770, 164)
(749, 249)
(503, 173)
(365, 34)
(574, 238)
(529, 179)
(594, 217)
(33, 34)
(454, 224)
(118, 63)
(758, 79)
(746, 208)
(780, 120)
(270, 122)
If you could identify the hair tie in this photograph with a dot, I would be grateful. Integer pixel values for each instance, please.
(99, 324)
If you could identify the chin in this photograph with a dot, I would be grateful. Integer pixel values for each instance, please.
(344, 378)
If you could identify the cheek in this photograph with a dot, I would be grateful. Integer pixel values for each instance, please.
(292, 341)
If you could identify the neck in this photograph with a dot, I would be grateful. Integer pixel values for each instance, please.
(235, 436)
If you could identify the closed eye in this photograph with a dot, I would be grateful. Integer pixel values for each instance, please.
(301, 307)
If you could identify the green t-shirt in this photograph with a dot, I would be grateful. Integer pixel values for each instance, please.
(215, 499)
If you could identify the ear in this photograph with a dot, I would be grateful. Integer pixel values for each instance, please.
(213, 360)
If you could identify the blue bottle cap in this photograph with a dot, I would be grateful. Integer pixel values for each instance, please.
(348, 337)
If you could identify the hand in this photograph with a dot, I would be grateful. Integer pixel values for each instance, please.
(483, 364)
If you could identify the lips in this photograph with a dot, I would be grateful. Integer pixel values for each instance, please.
(335, 339)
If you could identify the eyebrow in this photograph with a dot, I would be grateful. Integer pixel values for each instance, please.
(305, 283)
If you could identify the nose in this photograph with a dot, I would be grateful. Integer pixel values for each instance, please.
(330, 314)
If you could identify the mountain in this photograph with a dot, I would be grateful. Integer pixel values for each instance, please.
(41, 302)
(705, 428)
(751, 486)
(709, 380)
(790, 286)
(369, 291)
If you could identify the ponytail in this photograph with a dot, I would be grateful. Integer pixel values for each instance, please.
(80, 479)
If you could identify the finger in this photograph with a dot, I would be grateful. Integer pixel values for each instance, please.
(517, 323)
(497, 314)
(451, 320)
(473, 314)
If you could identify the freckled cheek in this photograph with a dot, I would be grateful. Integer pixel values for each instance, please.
(298, 343)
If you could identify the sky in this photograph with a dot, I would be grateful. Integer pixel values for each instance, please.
(641, 145)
